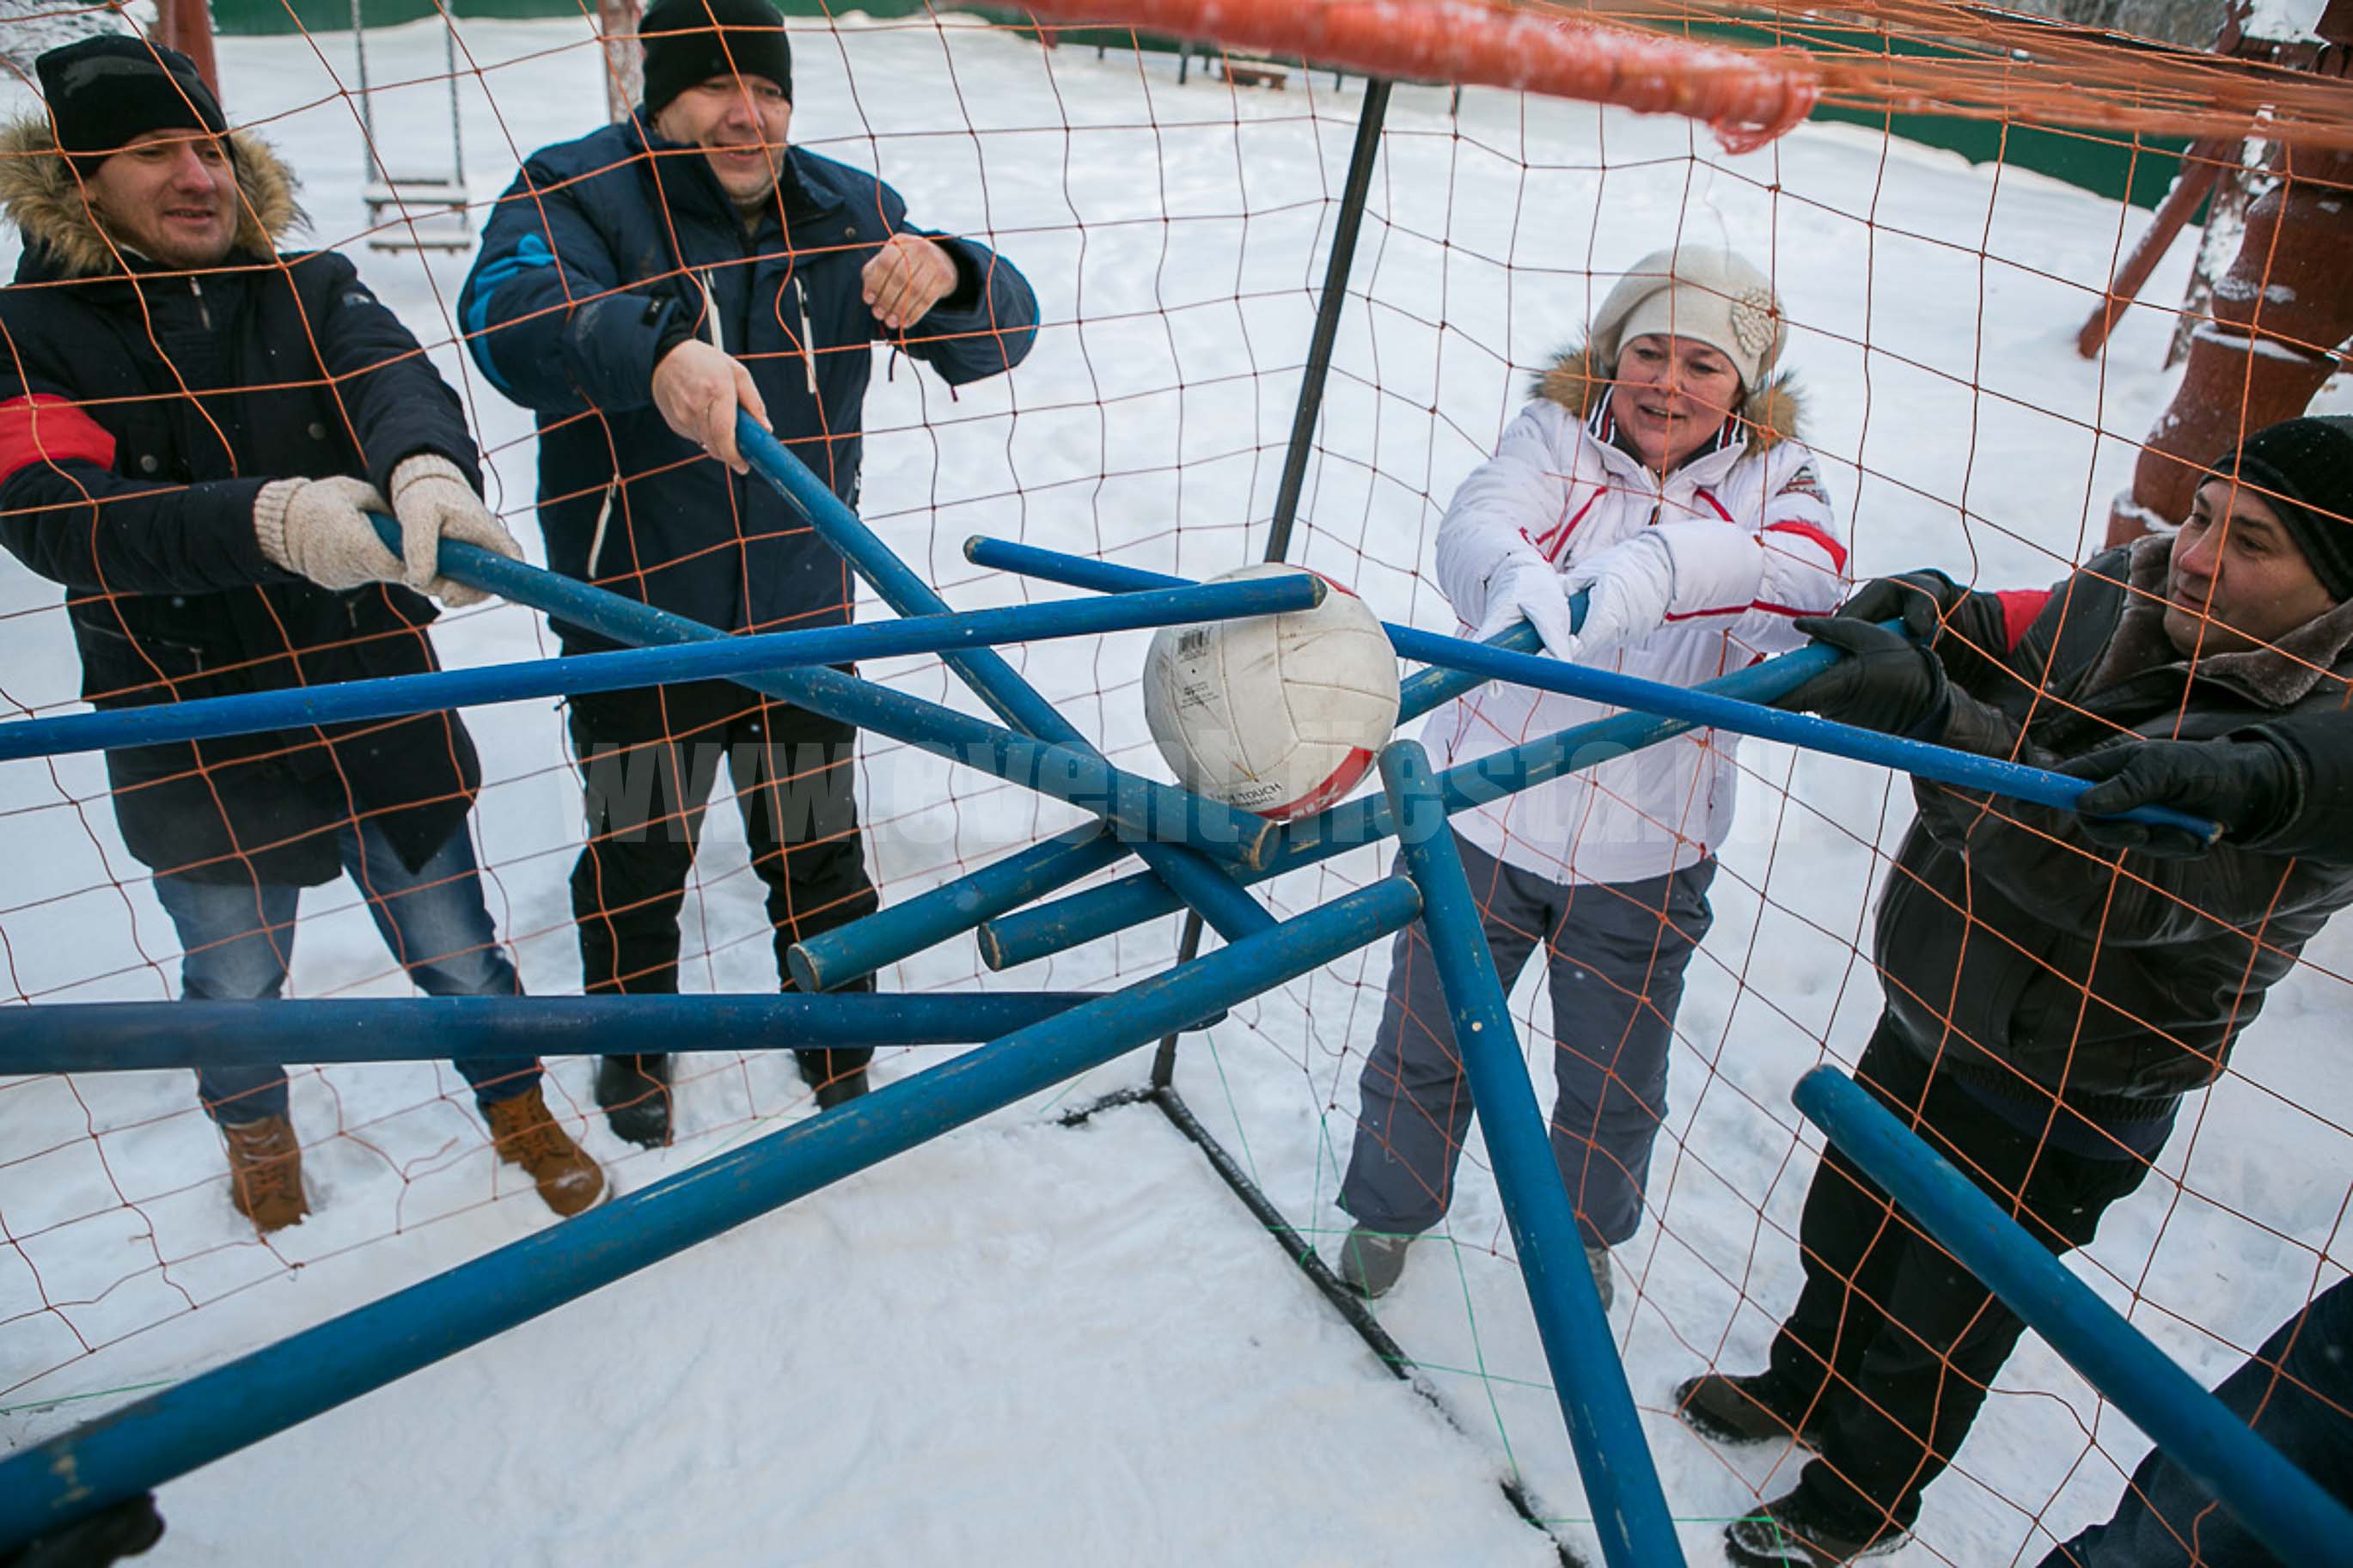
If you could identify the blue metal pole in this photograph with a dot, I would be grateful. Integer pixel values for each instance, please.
(1421, 692)
(899, 931)
(1140, 807)
(1230, 912)
(166, 1435)
(396, 696)
(1613, 1458)
(2279, 1504)
(1473, 663)
(1698, 705)
(1032, 934)
(138, 1036)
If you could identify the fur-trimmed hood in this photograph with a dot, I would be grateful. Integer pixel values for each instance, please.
(1771, 412)
(40, 194)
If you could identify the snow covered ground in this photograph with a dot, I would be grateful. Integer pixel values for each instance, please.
(1023, 1344)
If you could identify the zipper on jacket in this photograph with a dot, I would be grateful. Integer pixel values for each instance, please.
(203, 311)
(808, 336)
(604, 516)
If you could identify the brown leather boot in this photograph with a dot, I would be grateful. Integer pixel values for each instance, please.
(265, 1170)
(526, 1135)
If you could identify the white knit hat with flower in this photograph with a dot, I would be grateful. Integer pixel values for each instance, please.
(1716, 296)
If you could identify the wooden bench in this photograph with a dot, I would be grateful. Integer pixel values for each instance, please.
(1257, 73)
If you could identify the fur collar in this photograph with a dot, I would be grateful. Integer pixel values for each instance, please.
(1770, 414)
(2277, 676)
(39, 193)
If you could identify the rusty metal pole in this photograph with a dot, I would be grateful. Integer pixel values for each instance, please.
(2280, 315)
(2199, 164)
(625, 75)
(187, 26)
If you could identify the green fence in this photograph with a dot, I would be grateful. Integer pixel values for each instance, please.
(2137, 169)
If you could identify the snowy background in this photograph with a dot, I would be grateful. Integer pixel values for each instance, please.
(1023, 1344)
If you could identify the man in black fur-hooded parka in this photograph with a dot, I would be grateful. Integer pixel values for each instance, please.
(193, 426)
(1657, 473)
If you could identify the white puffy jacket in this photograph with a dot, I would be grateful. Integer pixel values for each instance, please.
(1751, 544)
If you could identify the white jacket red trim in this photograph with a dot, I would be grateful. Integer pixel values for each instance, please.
(1751, 543)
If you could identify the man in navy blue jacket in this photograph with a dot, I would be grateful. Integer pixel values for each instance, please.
(634, 288)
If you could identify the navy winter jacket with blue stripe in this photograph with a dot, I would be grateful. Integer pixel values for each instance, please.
(607, 249)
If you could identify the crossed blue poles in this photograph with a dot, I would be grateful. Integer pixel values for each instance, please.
(1142, 808)
(399, 695)
(2279, 1504)
(1707, 705)
(861, 947)
(143, 1445)
(1229, 912)
(1737, 702)
(1613, 1458)
(1017, 939)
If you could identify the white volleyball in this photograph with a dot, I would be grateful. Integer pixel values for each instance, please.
(1280, 715)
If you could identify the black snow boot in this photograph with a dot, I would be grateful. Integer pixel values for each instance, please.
(837, 1076)
(1735, 1410)
(1795, 1531)
(634, 1094)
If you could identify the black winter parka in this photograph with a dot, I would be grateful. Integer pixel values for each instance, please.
(140, 411)
(2026, 957)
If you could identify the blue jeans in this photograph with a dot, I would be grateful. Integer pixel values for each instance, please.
(2295, 1392)
(237, 941)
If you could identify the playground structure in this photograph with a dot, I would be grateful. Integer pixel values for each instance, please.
(1198, 857)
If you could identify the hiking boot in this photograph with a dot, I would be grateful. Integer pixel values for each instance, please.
(1604, 1281)
(634, 1093)
(1794, 1531)
(527, 1135)
(1371, 1260)
(834, 1081)
(1754, 1409)
(265, 1170)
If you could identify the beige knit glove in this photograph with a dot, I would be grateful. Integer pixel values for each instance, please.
(434, 502)
(314, 529)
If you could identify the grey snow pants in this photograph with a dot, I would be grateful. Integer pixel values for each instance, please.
(1616, 953)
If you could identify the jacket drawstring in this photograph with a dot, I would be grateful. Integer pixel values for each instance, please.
(808, 335)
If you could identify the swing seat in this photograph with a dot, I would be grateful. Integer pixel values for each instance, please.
(417, 213)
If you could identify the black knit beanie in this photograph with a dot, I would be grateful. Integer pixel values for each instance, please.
(685, 45)
(2306, 468)
(105, 91)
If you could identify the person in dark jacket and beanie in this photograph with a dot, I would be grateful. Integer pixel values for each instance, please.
(2054, 985)
(191, 424)
(2293, 783)
(634, 288)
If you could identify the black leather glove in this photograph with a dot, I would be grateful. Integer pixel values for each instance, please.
(2248, 785)
(1887, 681)
(1921, 600)
(126, 1530)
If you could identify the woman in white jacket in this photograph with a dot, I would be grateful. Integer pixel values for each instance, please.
(1656, 471)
